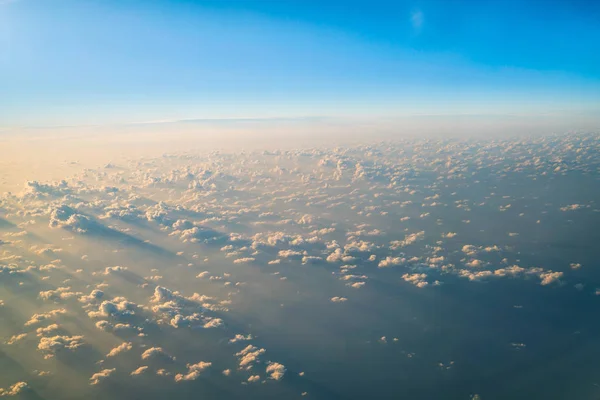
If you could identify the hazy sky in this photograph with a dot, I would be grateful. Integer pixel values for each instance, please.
(70, 62)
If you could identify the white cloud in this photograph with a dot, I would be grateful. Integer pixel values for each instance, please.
(123, 347)
(550, 277)
(338, 299)
(194, 371)
(139, 371)
(275, 370)
(249, 355)
(37, 318)
(156, 352)
(100, 376)
(54, 344)
(16, 338)
(14, 389)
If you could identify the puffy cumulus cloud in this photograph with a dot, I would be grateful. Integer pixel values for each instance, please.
(162, 294)
(240, 338)
(472, 250)
(48, 251)
(391, 262)
(275, 370)
(123, 347)
(94, 296)
(416, 279)
(118, 307)
(39, 190)
(16, 338)
(128, 212)
(550, 277)
(115, 269)
(249, 356)
(572, 207)
(139, 371)
(180, 321)
(10, 270)
(244, 260)
(291, 254)
(104, 325)
(199, 234)
(513, 271)
(409, 239)
(213, 323)
(254, 378)
(469, 249)
(475, 263)
(15, 389)
(358, 247)
(156, 353)
(60, 293)
(311, 260)
(67, 218)
(276, 208)
(102, 375)
(338, 299)
(356, 285)
(51, 345)
(194, 371)
(475, 276)
(38, 318)
(50, 329)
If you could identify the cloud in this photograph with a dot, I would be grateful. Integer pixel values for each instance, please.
(338, 299)
(194, 371)
(37, 318)
(248, 356)
(391, 261)
(550, 277)
(95, 295)
(139, 371)
(118, 307)
(245, 260)
(51, 345)
(213, 323)
(123, 347)
(240, 338)
(16, 388)
(60, 293)
(416, 279)
(347, 210)
(16, 338)
(275, 370)
(156, 353)
(47, 330)
(100, 376)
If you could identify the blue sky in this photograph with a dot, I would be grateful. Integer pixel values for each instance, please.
(94, 62)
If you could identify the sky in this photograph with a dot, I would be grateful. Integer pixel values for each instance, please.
(79, 62)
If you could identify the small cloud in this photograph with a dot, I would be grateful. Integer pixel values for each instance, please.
(126, 346)
(100, 376)
(337, 299)
(417, 19)
(194, 371)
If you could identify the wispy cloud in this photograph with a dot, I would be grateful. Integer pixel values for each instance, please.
(417, 18)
